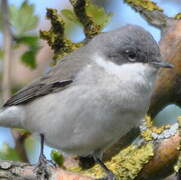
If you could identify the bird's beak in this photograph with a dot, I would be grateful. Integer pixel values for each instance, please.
(162, 64)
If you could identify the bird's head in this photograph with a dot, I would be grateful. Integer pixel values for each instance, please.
(130, 44)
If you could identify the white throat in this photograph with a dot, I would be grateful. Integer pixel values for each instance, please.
(137, 72)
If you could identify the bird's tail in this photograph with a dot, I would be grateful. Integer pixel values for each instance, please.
(11, 117)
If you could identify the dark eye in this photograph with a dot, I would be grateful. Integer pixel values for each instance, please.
(131, 55)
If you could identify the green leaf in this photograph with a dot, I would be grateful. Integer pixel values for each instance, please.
(1, 54)
(23, 18)
(8, 153)
(28, 40)
(29, 57)
(98, 14)
(70, 15)
(57, 157)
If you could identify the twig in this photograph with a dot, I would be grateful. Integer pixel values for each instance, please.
(55, 36)
(90, 27)
(150, 11)
(6, 82)
(20, 171)
(155, 18)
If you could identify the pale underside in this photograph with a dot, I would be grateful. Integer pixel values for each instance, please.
(94, 111)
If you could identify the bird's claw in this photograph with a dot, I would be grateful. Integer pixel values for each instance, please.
(42, 168)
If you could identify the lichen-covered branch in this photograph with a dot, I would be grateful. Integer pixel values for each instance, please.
(56, 37)
(178, 164)
(16, 170)
(141, 162)
(165, 156)
(177, 16)
(168, 85)
(90, 27)
(150, 11)
(20, 171)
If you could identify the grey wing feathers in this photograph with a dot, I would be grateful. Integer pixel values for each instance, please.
(34, 91)
(57, 79)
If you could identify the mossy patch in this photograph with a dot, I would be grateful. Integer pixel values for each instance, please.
(177, 16)
(125, 165)
(177, 167)
(55, 36)
(145, 4)
(150, 129)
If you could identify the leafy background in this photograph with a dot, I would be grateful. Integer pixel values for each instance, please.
(27, 17)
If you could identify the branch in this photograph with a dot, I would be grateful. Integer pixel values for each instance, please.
(166, 154)
(90, 27)
(168, 85)
(6, 82)
(150, 11)
(21, 171)
(55, 36)
(164, 151)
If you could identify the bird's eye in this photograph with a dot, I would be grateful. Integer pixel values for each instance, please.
(131, 55)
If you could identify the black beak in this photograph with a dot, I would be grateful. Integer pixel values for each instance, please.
(162, 64)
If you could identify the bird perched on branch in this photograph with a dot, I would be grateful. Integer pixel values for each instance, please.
(92, 97)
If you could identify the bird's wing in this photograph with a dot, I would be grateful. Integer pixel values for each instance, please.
(60, 77)
(33, 91)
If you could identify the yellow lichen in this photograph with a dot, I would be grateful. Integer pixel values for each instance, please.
(92, 17)
(90, 26)
(145, 4)
(55, 36)
(125, 165)
(177, 16)
(147, 134)
(177, 167)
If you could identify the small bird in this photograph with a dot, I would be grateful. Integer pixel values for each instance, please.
(92, 97)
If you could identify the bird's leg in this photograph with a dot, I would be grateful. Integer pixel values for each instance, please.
(41, 169)
(42, 158)
(110, 175)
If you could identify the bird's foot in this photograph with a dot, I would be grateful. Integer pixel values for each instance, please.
(110, 176)
(42, 168)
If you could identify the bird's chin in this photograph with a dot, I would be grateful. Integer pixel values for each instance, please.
(152, 70)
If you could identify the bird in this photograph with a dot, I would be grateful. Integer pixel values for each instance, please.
(92, 97)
